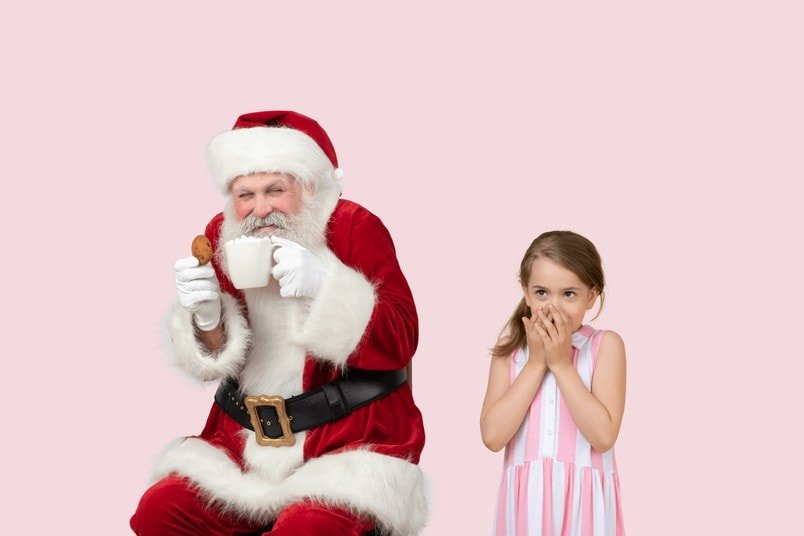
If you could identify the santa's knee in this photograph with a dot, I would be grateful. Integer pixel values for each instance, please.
(169, 507)
(316, 519)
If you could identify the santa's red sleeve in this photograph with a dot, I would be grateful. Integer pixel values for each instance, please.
(364, 315)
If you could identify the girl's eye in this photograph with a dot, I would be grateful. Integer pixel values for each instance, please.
(570, 294)
(541, 293)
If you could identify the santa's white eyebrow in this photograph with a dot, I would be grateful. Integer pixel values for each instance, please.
(284, 181)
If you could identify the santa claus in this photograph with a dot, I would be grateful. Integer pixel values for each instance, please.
(313, 429)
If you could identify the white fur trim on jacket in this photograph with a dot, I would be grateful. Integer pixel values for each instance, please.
(339, 313)
(243, 151)
(391, 490)
(194, 359)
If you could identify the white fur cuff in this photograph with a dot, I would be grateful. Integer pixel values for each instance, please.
(339, 313)
(196, 360)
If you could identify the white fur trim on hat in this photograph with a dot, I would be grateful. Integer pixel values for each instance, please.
(243, 151)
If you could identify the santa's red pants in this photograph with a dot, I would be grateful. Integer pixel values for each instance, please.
(171, 508)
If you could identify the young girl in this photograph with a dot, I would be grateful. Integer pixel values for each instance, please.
(555, 398)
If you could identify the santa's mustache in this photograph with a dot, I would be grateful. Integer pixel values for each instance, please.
(251, 223)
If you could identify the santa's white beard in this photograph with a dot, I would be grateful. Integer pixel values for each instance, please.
(275, 364)
(304, 228)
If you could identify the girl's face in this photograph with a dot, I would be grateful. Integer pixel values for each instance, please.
(551, 283)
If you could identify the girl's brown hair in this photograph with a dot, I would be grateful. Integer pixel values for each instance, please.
(570, 250)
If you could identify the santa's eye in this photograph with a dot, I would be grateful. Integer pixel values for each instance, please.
(275, 190)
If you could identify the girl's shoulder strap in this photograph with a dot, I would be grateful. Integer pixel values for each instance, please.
(594, 340)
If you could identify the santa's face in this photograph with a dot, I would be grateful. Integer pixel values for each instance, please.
(262, 194)
(273, 204)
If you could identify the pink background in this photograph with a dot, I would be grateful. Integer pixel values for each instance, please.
(670, 135)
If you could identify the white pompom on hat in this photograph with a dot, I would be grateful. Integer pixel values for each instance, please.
(274, 142)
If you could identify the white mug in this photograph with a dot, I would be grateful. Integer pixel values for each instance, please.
(249, 261)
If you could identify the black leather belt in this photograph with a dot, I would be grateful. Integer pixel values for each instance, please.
(275, 419)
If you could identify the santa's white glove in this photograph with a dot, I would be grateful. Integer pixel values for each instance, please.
(298, 270)
(197, 287)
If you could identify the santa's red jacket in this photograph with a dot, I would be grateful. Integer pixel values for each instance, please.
(363, 317)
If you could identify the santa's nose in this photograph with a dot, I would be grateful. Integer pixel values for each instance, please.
(262, 208)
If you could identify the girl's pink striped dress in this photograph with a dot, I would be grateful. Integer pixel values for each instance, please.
(553, 483)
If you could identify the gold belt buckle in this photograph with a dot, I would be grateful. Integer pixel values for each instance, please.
(278, 403)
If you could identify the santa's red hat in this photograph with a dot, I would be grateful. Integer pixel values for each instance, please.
(274, 142)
